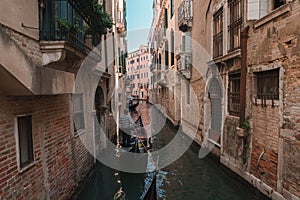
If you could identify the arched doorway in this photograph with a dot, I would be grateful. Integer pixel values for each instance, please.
(99, 104)
(99, 119)
(215, 100)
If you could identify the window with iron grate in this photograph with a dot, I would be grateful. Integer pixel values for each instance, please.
(267, 84)
(235, 23)
(218, 33)
(234, 94)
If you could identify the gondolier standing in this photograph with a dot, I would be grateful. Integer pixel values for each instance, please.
(125, 127)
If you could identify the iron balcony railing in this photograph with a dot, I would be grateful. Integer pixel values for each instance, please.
(121, 20)
(185, 11)
(63, 20)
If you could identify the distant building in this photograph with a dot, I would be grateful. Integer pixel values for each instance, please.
(137, 67)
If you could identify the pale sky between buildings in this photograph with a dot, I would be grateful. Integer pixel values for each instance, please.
(139, 18)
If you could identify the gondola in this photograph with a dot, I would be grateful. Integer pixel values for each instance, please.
(151, 194)
(132, 182)
(139, 134)
(132, 106)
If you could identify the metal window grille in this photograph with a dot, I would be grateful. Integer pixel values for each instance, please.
(267, 85)
(234, 94)
(218, 33)
(236, 21)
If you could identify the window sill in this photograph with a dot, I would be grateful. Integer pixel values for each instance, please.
(24, 169)
(258, 102)
(215, 143)
(232, 116)
(78, 133)
(273, 15)
(228, 56)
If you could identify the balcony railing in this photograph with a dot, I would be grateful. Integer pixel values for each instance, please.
(185, 15)
(121, 21)
(63, 20)
(184, 65)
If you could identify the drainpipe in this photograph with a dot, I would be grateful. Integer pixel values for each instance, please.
(244, 37)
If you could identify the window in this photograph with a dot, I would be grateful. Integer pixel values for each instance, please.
(278, 3)
(166, 19)
(172, 48)
(183, 43)
(267, 85)
(25, 142)
(78, 112)
(142, 75)
(234, 94)
(137, 76)
(167, 55)
(235, 23)
(218, 33)
(188, 93)
(173, 92)
(172, 8)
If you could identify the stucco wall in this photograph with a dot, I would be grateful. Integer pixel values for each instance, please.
(14, 13)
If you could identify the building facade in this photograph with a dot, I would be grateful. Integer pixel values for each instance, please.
(46, 117)
(137, 72)
(247, 92)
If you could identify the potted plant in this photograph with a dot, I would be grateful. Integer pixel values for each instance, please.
(64, 27)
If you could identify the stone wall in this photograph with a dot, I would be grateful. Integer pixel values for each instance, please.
(61, 160)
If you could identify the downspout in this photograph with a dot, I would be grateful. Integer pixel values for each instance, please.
(244, 37)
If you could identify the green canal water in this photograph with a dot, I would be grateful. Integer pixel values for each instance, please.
(188, 178)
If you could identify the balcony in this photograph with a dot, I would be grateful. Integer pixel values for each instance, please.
(184, 63)
(185, 15)
(66, 35)
(121, 22)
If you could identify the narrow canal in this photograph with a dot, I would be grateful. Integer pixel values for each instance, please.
(187, 178)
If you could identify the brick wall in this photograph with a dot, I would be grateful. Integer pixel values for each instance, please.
(61, 160)
(265, 135)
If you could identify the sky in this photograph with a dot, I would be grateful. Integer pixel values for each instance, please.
(139, 18)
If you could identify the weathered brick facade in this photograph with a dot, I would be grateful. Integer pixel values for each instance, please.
(61, 160)
(274, 43)
(266, 154)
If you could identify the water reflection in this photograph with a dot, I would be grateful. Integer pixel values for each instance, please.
(187, 178)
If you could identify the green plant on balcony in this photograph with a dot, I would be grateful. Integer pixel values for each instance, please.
(68, 27)
(63, 24)
(101, 20)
